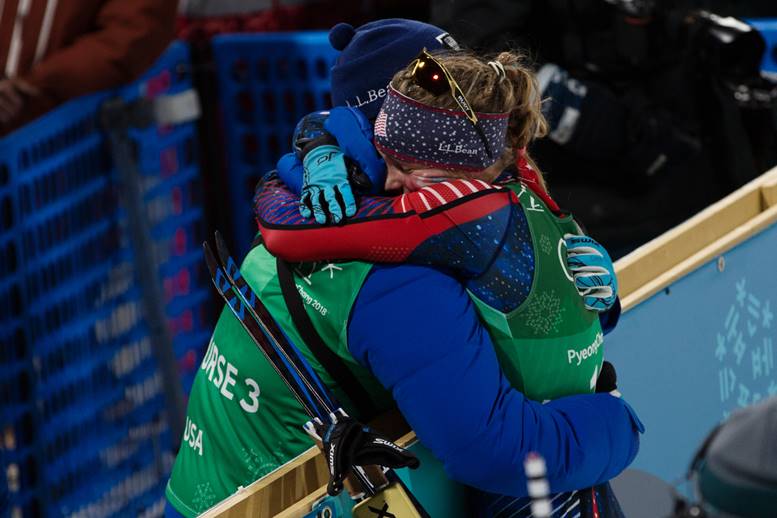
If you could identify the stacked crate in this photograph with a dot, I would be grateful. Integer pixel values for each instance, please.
(267, 83)
(83, 414)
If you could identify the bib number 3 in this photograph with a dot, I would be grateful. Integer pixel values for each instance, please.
(253, 395)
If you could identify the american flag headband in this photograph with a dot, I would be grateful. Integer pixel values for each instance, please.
(413, 132)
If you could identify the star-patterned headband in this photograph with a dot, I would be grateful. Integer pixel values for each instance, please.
(410, 131)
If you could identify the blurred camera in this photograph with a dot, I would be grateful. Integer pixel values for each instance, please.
(729, 46)
(723, 46)
(636, 8)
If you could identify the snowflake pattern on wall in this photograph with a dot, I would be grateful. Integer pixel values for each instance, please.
(544, 313)
(204, 497)
(744, 349)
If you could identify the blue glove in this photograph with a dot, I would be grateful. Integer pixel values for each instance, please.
(326, 193)
(319, 184)
(353, 132)
(593, 271)
(354, 136)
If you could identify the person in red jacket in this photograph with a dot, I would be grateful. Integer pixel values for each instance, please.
(54, 50)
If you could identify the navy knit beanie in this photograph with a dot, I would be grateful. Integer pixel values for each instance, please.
(373, 53)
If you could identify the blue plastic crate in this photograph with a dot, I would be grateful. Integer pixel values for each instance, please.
(59, 168)
(178, 237)
(149, 504)
(768, 28)
(165, 151)
(69, 301)
(18, 430)
(68, 452)
(124, 493)
(89, 471)
(25, 473)
(171, 73)
(188, 314)
(49, 163)
(266, 82)
(9, 258)
(9, 249)
(13, 342)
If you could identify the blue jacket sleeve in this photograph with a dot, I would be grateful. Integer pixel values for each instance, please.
(609, 319)
(291, 172)
(417, 331)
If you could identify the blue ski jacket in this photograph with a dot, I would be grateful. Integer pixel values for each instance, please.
(416, 329)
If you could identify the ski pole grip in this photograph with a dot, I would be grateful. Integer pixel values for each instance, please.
(376, 476)
(356, 488)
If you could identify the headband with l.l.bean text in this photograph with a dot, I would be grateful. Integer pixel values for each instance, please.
(413, 132)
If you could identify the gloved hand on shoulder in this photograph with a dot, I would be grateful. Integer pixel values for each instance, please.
(326, 186)
(326, 194)
(593, 271)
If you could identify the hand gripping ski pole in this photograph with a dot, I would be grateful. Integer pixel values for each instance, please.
(348, 445)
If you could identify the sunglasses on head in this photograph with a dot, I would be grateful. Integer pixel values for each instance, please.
(432, 76)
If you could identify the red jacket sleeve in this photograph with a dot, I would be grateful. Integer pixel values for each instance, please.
(384, 230)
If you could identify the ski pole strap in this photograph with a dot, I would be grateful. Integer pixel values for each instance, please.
(328, 359)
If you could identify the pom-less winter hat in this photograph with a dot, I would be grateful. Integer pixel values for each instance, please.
(737, 465)
(373, 53)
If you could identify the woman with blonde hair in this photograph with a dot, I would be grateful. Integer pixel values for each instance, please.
(450, 127)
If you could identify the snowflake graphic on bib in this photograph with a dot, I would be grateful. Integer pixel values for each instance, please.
(545, 313)
(545, 245)
(204, 497)
(257, 464)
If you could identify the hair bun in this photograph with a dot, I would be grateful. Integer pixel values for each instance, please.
(341, 35)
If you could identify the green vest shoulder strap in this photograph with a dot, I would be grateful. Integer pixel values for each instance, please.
(328, 292)
(550, 346)
(327, 358)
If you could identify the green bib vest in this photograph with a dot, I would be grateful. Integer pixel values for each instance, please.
(242, 422)
(551, 345)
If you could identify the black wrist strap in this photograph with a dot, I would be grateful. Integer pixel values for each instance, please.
(328, 359)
